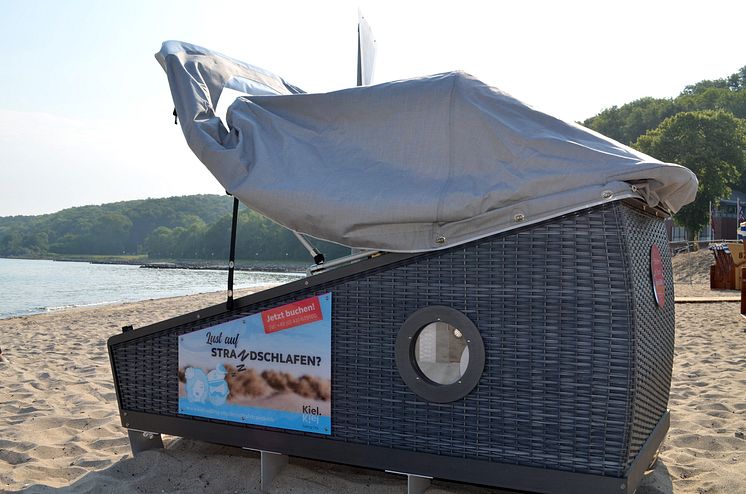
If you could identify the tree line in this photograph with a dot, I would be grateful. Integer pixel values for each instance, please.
(703, 128)
(187, 227)
(256, 238)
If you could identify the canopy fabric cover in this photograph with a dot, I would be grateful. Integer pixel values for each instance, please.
(406, 166)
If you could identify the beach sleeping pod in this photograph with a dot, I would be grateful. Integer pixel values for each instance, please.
(507, 318)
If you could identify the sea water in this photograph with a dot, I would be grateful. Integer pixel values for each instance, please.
(35, 286)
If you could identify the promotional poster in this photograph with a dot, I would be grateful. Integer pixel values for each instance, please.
(271, 369)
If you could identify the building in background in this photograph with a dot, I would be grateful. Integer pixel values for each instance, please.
(725, 220)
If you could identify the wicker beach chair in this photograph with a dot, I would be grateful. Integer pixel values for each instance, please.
(508, 322)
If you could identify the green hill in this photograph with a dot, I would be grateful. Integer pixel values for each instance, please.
(186, 227)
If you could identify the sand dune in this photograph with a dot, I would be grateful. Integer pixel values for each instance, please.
(59, 426)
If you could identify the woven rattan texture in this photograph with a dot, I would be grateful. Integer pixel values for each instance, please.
(554, 305)
(654, 326)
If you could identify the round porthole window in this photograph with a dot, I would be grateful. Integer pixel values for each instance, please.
(440, 354)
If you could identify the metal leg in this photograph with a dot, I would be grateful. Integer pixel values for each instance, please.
(417, 484)
(142, 441)
(272, 463)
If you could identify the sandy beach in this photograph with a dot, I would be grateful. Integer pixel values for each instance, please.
(60, 432)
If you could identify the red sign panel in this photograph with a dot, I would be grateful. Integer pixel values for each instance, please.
(292, 315)
(656, 271)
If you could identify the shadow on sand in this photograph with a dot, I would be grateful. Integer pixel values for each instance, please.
(195, 467)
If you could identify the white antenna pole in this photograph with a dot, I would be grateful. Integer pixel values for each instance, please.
(366, 52)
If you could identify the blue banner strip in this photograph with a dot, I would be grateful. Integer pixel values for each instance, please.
(305, 422)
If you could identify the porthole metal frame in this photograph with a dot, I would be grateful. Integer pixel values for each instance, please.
(407, 365)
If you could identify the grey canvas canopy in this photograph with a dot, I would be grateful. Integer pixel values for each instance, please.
(408, 166)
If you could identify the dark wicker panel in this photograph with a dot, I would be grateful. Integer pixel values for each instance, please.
(654, 326)
(554, 305)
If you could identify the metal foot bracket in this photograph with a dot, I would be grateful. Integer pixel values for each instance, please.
(416, 484)
(142, 441)
(272, 463)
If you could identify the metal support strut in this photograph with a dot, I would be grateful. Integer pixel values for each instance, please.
(416, 484)
(318, 257)
(271, 464)
(232, 256)
(142, 441)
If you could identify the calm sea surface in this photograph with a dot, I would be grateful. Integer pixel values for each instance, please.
(31, 287)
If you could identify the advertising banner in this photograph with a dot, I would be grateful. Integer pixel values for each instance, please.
(271, 369)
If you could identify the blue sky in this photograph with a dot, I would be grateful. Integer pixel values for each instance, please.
(85, 111)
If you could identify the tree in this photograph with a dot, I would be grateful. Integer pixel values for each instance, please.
(715, 99)
(630, 121)
(711, 144)
(12, 243)
(160, 243)
(109, 234)
(734, 82)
